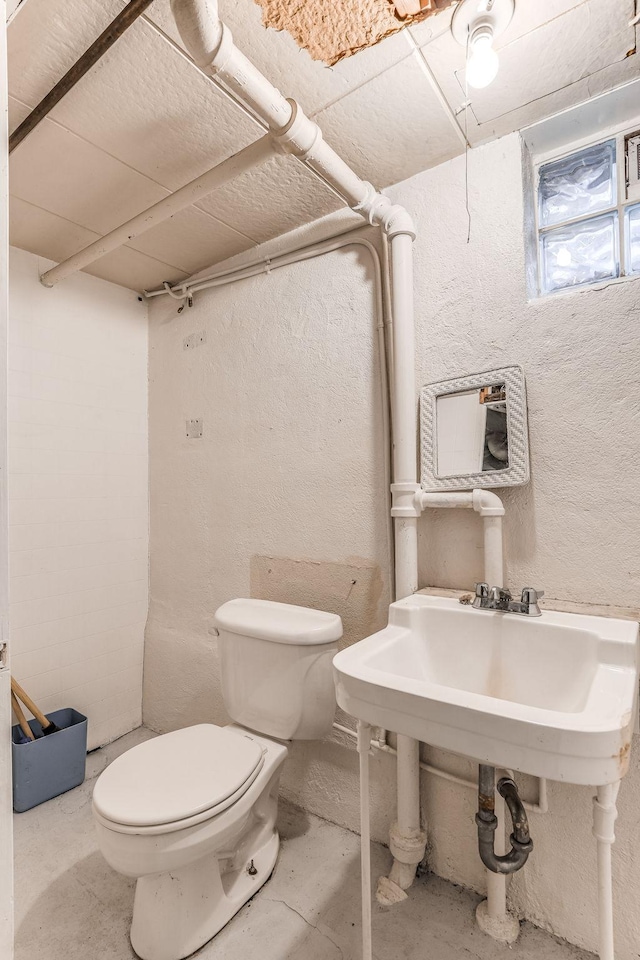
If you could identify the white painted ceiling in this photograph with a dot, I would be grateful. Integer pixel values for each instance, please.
(145, 120)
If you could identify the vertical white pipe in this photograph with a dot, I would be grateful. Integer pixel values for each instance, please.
(497, 882)
(494, 576)
(406, 540)
(404, 383)
(407, 827)
(605, 812)
(409, 774)
(493, 554)
(406, 841)
(364, 747)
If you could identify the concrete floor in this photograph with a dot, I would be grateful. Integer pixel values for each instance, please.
(71, 906)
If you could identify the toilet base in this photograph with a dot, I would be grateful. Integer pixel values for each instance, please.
(174, 914)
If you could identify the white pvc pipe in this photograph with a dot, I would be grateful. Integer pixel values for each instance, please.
(540, 806)
(605, 813)
(211, 45)
(228, 170)
(446, 500)
(406, 540)
(364, 741)
(497, 882)
(407, 842)
(405, 468)
(494, 576)
(493, 559)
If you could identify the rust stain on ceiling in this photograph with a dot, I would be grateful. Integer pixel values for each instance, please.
(331, 30)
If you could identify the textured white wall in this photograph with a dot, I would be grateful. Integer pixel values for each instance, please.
(572, 530)
(289, 358)
(290, 464)
(78, 492)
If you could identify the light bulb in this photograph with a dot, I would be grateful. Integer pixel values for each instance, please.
(482, 65)
(564, 258)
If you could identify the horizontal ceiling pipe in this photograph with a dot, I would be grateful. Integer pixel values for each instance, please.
(88, 59)
(229, 169)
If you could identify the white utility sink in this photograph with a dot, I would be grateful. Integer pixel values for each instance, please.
(554, 696)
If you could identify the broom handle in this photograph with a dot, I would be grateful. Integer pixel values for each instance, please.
(22, 720)
(29, 704)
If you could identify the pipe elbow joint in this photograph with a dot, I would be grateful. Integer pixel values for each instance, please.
(398, 221)
(487, 503)
(380, 212)
(200, 28)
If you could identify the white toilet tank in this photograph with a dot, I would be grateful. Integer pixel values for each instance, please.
(276, 667)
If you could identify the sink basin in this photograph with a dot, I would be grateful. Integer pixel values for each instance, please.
(554, 696)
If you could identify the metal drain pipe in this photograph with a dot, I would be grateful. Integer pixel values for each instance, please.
(521, 843)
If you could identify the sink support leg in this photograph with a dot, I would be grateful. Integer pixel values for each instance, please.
(605, 812)
(364, 749)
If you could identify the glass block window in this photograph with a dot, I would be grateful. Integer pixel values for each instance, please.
(587, 231)
(579, 185)
(583, 252)
(633, 238)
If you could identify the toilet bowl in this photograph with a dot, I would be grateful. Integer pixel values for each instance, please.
(191, 815)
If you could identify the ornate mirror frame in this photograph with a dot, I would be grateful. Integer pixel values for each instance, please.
(517, 472)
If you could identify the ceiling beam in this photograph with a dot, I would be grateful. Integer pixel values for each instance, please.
(98, 48)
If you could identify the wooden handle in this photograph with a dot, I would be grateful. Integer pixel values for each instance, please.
(22, 720)
(407, 8)
(29, 704)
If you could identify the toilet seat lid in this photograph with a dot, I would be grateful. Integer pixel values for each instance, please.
(176, 776)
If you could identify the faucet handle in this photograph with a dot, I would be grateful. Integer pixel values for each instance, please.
(530, 596)
(482, 595)
(529, 601)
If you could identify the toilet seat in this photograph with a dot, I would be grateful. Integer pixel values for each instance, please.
(177, 779)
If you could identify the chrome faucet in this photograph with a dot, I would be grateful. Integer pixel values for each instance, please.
(497, 598)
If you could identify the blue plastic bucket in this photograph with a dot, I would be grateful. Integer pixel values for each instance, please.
(48, 766)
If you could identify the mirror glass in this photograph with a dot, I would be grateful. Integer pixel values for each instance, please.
(472, 434)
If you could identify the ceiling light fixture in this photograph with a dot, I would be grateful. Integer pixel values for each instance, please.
(475, 25)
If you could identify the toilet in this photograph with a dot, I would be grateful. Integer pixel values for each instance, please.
(191, 815)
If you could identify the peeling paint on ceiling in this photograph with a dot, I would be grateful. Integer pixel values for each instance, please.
(331, 30)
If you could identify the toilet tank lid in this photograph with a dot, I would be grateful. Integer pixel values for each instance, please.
(278, 622)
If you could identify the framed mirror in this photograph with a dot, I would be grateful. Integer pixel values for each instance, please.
(473, 431)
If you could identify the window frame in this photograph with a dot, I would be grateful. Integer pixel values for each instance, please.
(619, 135)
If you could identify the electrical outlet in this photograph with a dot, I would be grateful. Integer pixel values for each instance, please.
(194, 429)
(194, 340)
